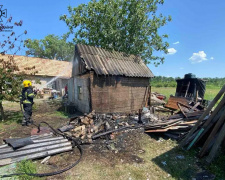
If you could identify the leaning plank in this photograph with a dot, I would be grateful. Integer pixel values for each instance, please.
(212, 134)
(211, 105)
(212, 123)
(181, 109)
(216, 145)
(205, 125)
(35, 156)
(10, 149)
(194, 107)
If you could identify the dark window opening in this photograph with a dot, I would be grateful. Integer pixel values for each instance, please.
(79, 92)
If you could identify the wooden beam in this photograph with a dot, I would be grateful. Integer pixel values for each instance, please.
(212, 134)
(216, 145)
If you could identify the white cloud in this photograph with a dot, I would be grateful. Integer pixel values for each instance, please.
(212, 58)
(181, 68)
(198, 57)
(176, 42)
(171, 51)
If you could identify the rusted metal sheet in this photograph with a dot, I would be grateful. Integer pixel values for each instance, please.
(105, 62)
(172, 102)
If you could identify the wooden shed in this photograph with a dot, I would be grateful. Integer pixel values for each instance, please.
(108, 81)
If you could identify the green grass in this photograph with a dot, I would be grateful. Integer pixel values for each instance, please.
(218, 167)
(211, 91)
(61, 114)
(27, 167)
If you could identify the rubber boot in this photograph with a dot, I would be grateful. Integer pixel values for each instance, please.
(24, 122)
(30, 122)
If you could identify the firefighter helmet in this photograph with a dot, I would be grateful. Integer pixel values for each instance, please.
(26, 83)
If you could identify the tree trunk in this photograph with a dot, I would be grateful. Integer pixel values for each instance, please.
(2, 111)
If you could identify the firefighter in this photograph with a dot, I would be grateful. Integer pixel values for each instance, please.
(27, 101)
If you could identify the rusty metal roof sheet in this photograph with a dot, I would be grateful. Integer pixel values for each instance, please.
(105, 62)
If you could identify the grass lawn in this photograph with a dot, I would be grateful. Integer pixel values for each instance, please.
(210, 93)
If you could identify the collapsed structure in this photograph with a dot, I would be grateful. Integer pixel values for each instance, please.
(191, 87)
(108, 81)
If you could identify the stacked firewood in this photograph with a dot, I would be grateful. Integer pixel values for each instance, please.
(84, 127)
(209, 131)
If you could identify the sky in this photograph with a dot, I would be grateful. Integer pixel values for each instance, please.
(196, 33)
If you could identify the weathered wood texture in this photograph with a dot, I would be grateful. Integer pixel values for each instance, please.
(82, 101)
(172, 102)
(118, 93)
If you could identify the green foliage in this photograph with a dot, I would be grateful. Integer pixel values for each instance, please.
(28, 167)
(51, 47)
(10, 80)
(161, 81)
(215, 82)
(11, 76)
(128, 26)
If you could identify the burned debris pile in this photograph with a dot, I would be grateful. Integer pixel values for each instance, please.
(92, 126)
(177, 125)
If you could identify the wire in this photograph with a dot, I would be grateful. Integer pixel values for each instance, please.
(75, 144)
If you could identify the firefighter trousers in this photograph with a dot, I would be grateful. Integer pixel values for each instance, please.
(27, 112)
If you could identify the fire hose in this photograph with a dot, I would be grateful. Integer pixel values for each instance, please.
(74, 144)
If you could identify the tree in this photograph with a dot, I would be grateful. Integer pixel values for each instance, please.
(51, 47)
(11, 76)
(129, 26)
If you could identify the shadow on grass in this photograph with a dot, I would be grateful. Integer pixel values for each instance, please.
(178, 163)
(12, 116)
(185, 165)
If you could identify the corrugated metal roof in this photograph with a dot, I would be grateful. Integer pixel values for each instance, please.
(104, 62)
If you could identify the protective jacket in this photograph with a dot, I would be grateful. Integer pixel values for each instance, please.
(27, 95)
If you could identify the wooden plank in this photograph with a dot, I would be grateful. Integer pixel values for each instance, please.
(194, 107)
(192, 114)
(187, 89)
(212, 134)
(211, 105)
(216, 145)
(178, 104)
(172, 102)
(210, 121)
